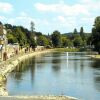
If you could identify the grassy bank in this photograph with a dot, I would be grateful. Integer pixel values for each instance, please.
(96, 56)
(67, 49)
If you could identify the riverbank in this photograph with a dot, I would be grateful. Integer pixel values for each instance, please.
(10, 64)
(7, 66)
(95, 56)
(37, 98)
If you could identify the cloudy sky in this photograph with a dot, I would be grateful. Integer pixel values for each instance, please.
(50, 15)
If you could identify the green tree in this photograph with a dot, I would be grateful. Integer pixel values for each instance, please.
(25, 37)
(77, 41)
(96, 34)
(42, 41)
(21, 37)
(66, 42)
(56, 39)
(75, 31)
(32, 26)
(11, 38)
(8, 26)
(82, 34)
(81, 31)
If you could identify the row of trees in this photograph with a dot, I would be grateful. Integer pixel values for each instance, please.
(77, 39)
(20, 35)
(32, 38)
(26, 37)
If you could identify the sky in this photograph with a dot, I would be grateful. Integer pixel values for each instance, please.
(50, 15)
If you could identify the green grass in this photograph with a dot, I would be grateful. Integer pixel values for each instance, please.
(67, 49)
(97, 56)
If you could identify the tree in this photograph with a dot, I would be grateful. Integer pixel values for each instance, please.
(32, 26)
(82, 34)
(38, 34)
(56, 39)
(11, 38)
(66, 42)
(96, 34)
(33, 43)
(42, 41)
(78, 41)
(75, 31)
(8, 26)
(81, 31)
(21, 36)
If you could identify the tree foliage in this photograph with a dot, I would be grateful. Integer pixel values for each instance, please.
(42, 41)
(75, 31)
(26, 37)
(11, 38)
(77, 41)
(82, 34)
(66, 42)
(56, 39)
(21, 35)
(96, 34)
(32, 26)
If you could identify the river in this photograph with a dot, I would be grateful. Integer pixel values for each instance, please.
(56, 73)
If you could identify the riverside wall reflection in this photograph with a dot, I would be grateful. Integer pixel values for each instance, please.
(20, 70)
(56, 61)
(96, 74)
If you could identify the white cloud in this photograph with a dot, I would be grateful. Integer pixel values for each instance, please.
(82, 8)
(5, 7)
(24, 19)
(71, 16)
(62, 8)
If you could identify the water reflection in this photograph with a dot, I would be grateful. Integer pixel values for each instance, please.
(56, 62)
(54, 74)
(96, 72)
(22, 68)
(32, 69)
(97, 82)
(96, 64)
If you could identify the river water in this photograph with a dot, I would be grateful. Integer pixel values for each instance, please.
(56, 73)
